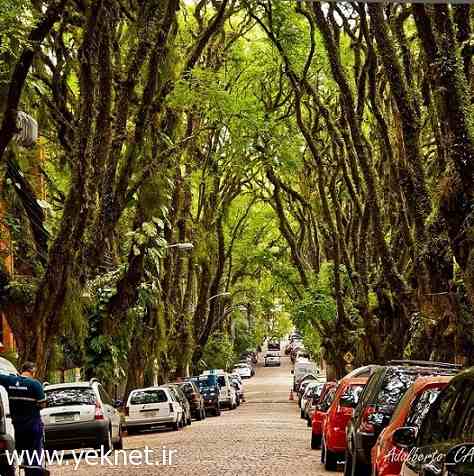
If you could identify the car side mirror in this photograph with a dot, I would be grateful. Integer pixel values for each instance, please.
(460, 459)
(118, 403)
(405, 437)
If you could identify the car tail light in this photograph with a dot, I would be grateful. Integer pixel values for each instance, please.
(194, 397)
(99, 414)
(366, 425)
(171, 408)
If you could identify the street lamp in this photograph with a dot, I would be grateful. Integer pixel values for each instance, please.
(181, 246)
(218, 295)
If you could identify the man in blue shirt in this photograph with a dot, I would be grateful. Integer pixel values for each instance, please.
(26, 397)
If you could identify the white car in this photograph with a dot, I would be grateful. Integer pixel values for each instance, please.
(81, 415)
(272, 360)
(153, 406)
(243, 370)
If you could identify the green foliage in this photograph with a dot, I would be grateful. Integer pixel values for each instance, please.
(218, 353)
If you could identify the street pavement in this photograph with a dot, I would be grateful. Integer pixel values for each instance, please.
(264, 436)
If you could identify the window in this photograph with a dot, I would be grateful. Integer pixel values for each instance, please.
(62, 397)
(327, 401)
(394, 386)
(353, 393)
(420, 407)
(104, 396)
(434, 427)
(148, 396)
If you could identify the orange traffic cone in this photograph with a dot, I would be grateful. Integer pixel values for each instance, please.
(291, 397)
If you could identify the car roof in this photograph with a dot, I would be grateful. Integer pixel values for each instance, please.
(147, 389)
(58, 386)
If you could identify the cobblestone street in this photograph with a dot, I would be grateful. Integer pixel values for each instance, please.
(264, 436)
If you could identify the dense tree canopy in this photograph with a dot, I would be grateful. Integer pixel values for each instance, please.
(318, 157)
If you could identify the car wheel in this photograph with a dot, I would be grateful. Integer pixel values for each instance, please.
(118, 445)
(358, 468)
(189, 421)
(308, 422)
(131, 431)
(199, 416)
(315, 441)
(301, 413)
(204, 414)
(177, 425)
(107, 441)
(217, 411)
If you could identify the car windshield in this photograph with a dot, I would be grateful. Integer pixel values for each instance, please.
(141, 397)
(187, 387)
(62, 397)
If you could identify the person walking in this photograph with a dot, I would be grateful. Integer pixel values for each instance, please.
(27, 397)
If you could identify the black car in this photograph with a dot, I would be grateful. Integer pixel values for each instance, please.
(195, 399)
(209, 388)
(444, 444)
(385, 388)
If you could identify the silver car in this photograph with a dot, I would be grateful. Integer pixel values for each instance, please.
(81, 415)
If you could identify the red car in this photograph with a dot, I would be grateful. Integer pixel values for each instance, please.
(387, 458)
(333, 445)
(325, 400)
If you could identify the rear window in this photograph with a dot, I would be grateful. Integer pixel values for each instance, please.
(421, 406)
(70, 396)
(207, 381)
(148, 396)
(394, 386)
(328, 399)
(187, 388)
(221, 380)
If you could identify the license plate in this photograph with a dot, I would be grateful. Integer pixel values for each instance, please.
(151, 414)
(65, 418)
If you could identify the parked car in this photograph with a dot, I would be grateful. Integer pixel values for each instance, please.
(274, 345)
(81, 415)
(151, 407)
(333, 444)
(302, 367)
(303, 383)
(385, 388)
(444, 444)
(387, 457)
(183, 401)
(195, 399)
(239, 387)
(325, 400)
(243, 369)
(209, 388)
(311, 401)
(308, 395)
(272, 360)
(227, 393)
(7, 432)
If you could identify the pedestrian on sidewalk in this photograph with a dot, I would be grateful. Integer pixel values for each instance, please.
(27, 397)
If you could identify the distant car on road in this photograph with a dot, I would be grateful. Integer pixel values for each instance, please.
(81, 415)
(274, 345)
(227, 392)
(243, 369)
(151, 407)
(272, 360)
(181, 397)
